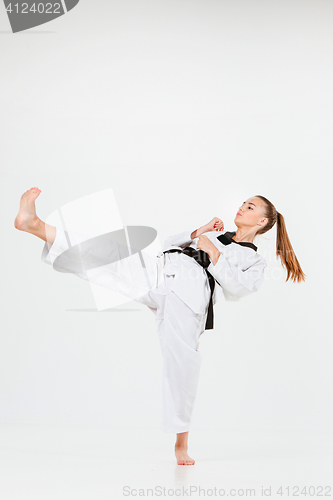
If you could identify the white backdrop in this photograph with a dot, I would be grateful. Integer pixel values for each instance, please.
(184, 109)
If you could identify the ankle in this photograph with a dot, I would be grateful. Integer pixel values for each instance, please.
(181, 446)
(35, 224)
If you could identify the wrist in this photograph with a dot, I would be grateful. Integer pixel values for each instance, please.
(214, 256)
(198, 232)
(201, 230)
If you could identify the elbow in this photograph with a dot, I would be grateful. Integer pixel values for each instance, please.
(235, 293)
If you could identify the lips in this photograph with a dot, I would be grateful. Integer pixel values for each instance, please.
(238, 214)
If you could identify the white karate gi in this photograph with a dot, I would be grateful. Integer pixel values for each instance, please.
(176, 289)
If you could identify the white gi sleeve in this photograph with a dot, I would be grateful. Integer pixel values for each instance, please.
(178, 240)
(236, 282)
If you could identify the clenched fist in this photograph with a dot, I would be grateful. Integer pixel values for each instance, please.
(215, 225)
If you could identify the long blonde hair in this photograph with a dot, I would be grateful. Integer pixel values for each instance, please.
(284, 249)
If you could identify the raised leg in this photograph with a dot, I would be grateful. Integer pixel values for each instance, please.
(75, 253)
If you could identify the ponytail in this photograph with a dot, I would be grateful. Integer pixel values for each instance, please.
(284, 249)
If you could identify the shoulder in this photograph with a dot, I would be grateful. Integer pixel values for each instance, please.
(243, 256)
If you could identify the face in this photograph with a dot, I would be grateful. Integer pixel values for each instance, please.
(250, 214)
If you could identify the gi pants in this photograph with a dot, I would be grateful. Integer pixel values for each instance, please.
(178, 326)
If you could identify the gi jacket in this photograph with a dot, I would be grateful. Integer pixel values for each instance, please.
(238, 272)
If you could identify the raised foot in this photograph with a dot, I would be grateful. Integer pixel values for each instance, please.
(182, 457)
(26, 218)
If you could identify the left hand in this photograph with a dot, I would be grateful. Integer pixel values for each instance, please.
(205, 244)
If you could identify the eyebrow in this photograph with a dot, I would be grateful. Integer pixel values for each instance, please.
(250, 203)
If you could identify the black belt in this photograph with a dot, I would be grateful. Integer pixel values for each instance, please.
(202, 258)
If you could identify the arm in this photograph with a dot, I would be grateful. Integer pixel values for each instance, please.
(185, 238)
(231, 277)
(233, 280)
(178, 240)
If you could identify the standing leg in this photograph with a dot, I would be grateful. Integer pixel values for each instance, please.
(181, 448)
(179, 329)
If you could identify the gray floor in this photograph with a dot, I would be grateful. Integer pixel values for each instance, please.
(98, 462)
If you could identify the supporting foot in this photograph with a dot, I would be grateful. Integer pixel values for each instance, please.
(182, 456)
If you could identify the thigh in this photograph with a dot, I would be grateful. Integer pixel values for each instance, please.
(188, 325)
(178, 318)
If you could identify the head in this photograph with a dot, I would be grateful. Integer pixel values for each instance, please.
(256, 213)
(259, 214)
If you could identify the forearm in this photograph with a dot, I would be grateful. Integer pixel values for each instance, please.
(198, 232)
(179, 240)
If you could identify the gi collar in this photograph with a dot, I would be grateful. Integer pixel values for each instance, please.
(227, 238)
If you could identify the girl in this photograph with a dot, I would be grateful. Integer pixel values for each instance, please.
(179, 285)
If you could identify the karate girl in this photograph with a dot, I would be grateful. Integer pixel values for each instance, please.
(179, 285)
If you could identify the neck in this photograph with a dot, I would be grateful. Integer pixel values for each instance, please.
(244, 235)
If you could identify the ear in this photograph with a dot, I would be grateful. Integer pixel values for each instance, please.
(264, 221)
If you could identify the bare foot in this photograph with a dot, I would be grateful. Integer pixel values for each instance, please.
(182, 456)
(26, 217)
